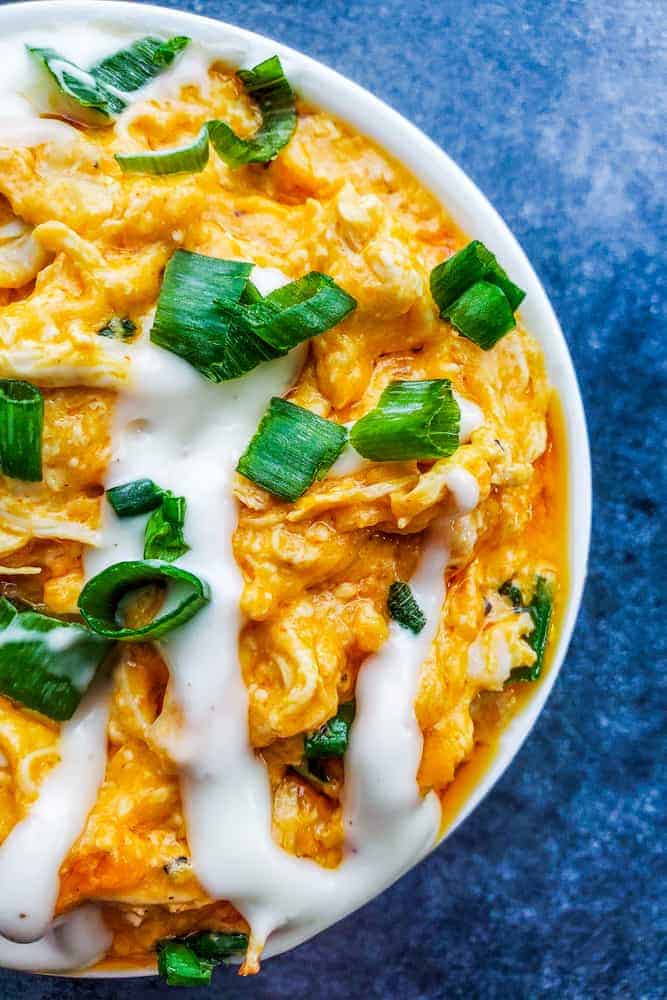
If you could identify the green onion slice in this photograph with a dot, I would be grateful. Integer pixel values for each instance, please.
(189, 323)
(540, 610)
(482, 314)
(21, 425)
(119, 328)
(476, 295)
(46, 664)
(267, 85)
(403, 607)
(163, 538)
(331, 739)
(474, 263)
(95, 96)
(133, 67)
(412, 420)
(138, 497)
(80, 96)
(289, 315)
(178, 965)
(102, 599)
(188, 159)
(217, 945)
(292, 447)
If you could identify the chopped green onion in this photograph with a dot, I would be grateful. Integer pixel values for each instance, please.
(540, 610)
(80, 96)
(250, 294)
(510, 590)
(133, 67)
(267, 85)
(103, 598)
(292, 447)
(474, 263)
(403, 608)
(21, 424)
(188, 159)
(94, 96)
(296, 312)
(217, 945)
(412, 420)
(466, 289)
(46, 664)
(482, 314)
(164, 532)
(119, 329)
(179, 966)
(189, 323)
(331, 739)
(137, 497)
(315, 775)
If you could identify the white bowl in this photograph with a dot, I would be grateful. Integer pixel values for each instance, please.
(466, 205)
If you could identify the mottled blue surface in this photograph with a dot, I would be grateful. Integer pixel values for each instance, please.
(553, 887)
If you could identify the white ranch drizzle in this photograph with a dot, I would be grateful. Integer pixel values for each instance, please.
(39, 843)
(73, 942)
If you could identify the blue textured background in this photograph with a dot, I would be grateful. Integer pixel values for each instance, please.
(553, 887)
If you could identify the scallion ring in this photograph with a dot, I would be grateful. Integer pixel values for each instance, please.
(292, 447)
(46, 664)
(412, 420)
(102, 599)
(289, 315)
(267, 85)
(21, 426)
(189, 323)
(188, 159)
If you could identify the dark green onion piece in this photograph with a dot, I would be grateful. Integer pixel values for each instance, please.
(137, 497)
(296, 312)
(292, 447)
(511, 590)
(189, 323)
(267, 86)
(482, 314)
(217, 946)
(94, 96)
(179, 966)
(21, 424)
(188, 159)
(80, 96)
(540, 610)
(163, 538)
(331, 739)
(412, 420)
(250, 294)
(133, 67)
(46, 664)
(474, 263)
(119, 328)
(312, 773)
(102, 598)
(403, 608)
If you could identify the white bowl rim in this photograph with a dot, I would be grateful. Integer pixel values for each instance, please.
(468, 207)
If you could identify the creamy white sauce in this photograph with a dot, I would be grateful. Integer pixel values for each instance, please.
(27, 91)
(74, 941)
(31, 856)
(187, 434)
